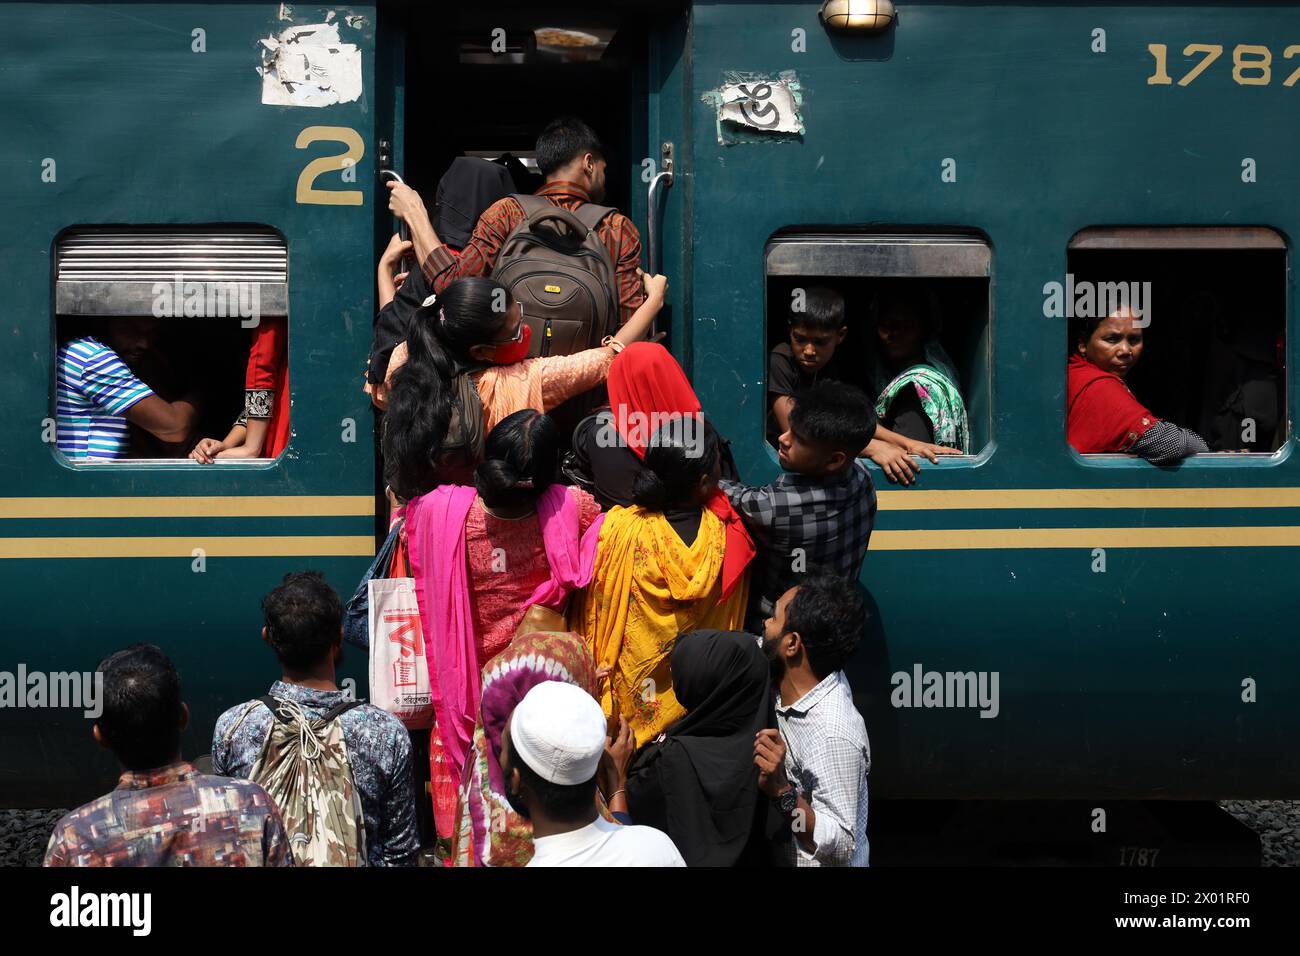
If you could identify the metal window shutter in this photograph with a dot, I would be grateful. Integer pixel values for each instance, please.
(1166, 238)
(879, 255)
(126, 271)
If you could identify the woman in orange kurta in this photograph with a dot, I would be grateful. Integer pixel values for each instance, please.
(474, 327)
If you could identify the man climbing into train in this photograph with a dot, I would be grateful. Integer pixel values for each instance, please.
(572, 158)
(821, 509)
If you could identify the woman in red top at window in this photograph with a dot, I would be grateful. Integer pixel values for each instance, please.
(1101, 414)
(262, 431)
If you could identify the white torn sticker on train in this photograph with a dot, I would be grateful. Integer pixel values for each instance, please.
(769, 107)
(753, 108)
(310, 66)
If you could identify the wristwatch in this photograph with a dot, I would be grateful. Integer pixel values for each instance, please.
(787, 800)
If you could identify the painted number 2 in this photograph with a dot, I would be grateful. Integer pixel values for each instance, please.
(1252, 64)
(306, 192)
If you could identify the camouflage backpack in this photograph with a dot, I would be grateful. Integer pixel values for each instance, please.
(304, 767)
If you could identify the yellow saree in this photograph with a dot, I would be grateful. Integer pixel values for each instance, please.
(647, 588)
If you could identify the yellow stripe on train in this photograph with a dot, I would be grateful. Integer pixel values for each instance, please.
(186, 546)
(196, 506)
(1009, 539)
(1087, 498)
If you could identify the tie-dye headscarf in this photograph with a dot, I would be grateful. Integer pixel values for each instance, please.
(488, 832)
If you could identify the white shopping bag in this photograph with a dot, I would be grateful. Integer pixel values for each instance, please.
(399, 670)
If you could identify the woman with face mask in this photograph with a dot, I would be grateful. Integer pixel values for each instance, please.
(1101, 413)
(471, 342)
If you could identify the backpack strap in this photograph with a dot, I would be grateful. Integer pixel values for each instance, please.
(591, 215)
(339, 709)
(273, 703)
(240, 719)
(531, 205)
(342, 707)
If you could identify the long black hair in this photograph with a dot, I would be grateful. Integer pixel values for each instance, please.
(674, 466)
(469, 312)
(520, 459)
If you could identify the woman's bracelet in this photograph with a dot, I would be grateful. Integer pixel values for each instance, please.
(612, 343)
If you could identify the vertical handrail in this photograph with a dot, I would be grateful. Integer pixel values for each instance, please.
(654, 219)
(402, 231)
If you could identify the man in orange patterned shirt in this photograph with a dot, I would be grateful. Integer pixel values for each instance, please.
(572, 159)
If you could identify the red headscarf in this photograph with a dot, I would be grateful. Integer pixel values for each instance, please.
(1101, 414)
(644, 378)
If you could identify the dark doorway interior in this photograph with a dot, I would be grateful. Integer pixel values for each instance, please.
(472, 89)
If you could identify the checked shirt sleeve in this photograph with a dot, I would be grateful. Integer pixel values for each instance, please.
(840, 767)
(755, 503)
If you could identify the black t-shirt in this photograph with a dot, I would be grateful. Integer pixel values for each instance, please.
(906, 415)
(785, 376)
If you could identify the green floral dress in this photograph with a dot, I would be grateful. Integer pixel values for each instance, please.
(941, 400)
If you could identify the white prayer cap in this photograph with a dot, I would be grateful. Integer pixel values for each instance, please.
(559, 731)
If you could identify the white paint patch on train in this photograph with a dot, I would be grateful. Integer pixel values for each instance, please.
(310, 65)
(947, 689)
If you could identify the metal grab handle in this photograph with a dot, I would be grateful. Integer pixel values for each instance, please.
(654, 221)
(403, 232)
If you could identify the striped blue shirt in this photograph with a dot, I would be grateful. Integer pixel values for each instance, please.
(94, 391)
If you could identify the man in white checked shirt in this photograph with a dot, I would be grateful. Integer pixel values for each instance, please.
(814, 768)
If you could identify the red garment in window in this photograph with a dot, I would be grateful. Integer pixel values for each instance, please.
(1102, 415)
(268, 370)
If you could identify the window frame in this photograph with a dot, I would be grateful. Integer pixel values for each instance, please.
(1185, 238)
(273, 288)
(894, 246)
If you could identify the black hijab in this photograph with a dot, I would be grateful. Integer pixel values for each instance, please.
(465, 191)
(699, 783)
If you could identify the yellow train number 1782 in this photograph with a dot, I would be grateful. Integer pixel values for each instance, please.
(1252, 64)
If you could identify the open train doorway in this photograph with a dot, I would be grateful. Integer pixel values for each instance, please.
(484, 82)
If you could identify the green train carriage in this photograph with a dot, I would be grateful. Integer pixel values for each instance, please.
(984, 150)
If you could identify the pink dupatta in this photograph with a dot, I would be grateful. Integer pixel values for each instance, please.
(435, 538)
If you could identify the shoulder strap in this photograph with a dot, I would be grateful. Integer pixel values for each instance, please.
(531, 204)
(240, 719)
(591, 215)
(342, 707)
(274, 704)
(339, 709)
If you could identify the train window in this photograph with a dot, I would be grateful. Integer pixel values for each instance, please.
(917, 311)
(1205, 311)
(168, 338)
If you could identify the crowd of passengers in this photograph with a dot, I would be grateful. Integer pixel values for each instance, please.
(636, 657)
